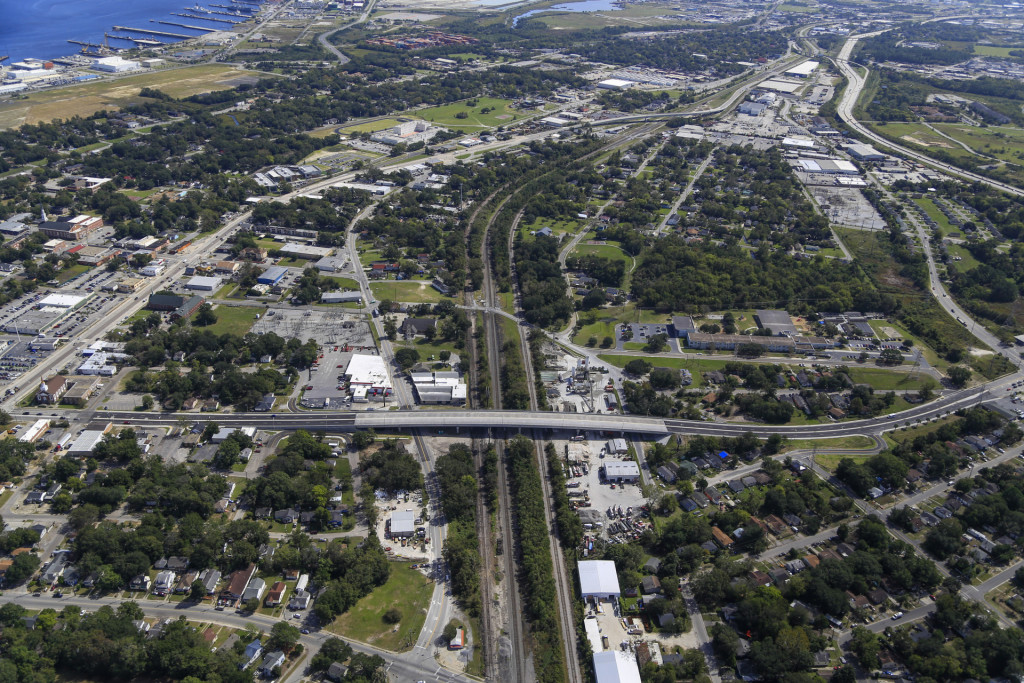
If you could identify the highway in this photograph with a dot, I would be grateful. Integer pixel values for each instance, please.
(855, 84)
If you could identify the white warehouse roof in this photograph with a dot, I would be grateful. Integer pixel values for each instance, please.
(615, 469)
(615, 83)
(403, 522)
(203, 282)
(366, 369)
(804, 69)
(86, 441)
(62, 300)
(614, 666)
(598, 577)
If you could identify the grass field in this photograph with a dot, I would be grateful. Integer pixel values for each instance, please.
(500, 113)
(601, 323)
(945, 227)
(234, 319)
(344, 282)
(608, 251)
(406, 291)
(994, 51)
(73, 271)
(406, 589)
(909, 434)
(844, 442)
(427, 349)
(113, 94)
(967, 260)
(830, 461)
(886, 380)
(368, 127)
(1001, 142)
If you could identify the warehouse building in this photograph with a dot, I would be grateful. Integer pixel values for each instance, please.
(830, 166)
(271, 276)
(203, 283)
(803, 70)
(439, 387)
(305, 251)
(598, 580)
(864, 153)
(341, 297)
(621, 471)
(368, 378)
(615, 84)
(615, 666)
(403, 523)
(752, 108)
(115, 65)
(778, 322)
(86, 442)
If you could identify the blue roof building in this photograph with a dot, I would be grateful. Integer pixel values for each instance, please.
(271, 276)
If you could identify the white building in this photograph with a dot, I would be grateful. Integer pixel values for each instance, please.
(368, 378)
(341, 297)
(153, 269)
(615, 666)
(86, 442)
(37, 429)
(305, 251)
(115, 64)
(615, 84)
(598, 580)
(224, 432)
(439, 387)
(63, 300)
(621, 470)
(403, 523)
(617, 446)
(802, 70)
(203, 283)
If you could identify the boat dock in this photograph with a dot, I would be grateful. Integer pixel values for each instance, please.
(205, 29)
(151, 32)
(196, 16)
(144, 42)
(242, 8)
(240, 17)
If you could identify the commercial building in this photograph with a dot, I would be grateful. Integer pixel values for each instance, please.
(37, 429)
(224, 432)
(87, 441)
(129, 285)
(407, 132)
(439, 387)
(75, 229)
(152, 269)
(615, 84)
(368, 378)
(778, 322)
(115, 65)
(621, 471)
(79, 391)
(271, 276)
(617, 446)
(94, 256)
(781, 85)
(179, 306)
(341, 297)
(203, 283)
(615, 666)
(403, 523)
(101, 363)
(305, 251)
(831, 166)
(752, 108)
(802, 70)
(682, 326)
(862, 152)
(728, 342)
(598, 580)
(48, 312)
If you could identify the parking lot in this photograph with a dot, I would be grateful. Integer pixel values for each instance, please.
(584, 477)
(340, 333)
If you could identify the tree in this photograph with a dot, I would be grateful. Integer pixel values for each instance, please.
(638, 367)
(147, 402)
(665, 378)
(205, 316)
(890, 357)
(210, 430)
(22, 567)
(333, 650)
(198, 591)
(657, 343)
(392, 616)
(251, 605)
(958, 375)
(283, 636)
(406, 358)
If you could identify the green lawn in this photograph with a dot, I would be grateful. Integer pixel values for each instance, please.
(994, 51)
(368, 127)
(830, 461)
(407, 590)
(234, 319)
(909, 434)
(73, 271)
(608, 251)
(427, 349)
(601, 323)
(933, 212)
(407, 291)
(696, 367)
(886, 380)
(967, 260)
(344, 282)
(843, 442)
(500, 113)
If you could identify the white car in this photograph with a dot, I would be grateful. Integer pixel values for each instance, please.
(898, 615)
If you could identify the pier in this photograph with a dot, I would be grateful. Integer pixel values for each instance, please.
(196, 16)
(243, 8)
(240, 17)
(144, 42)
(151, 32)
(85, 44)
(189, 26)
